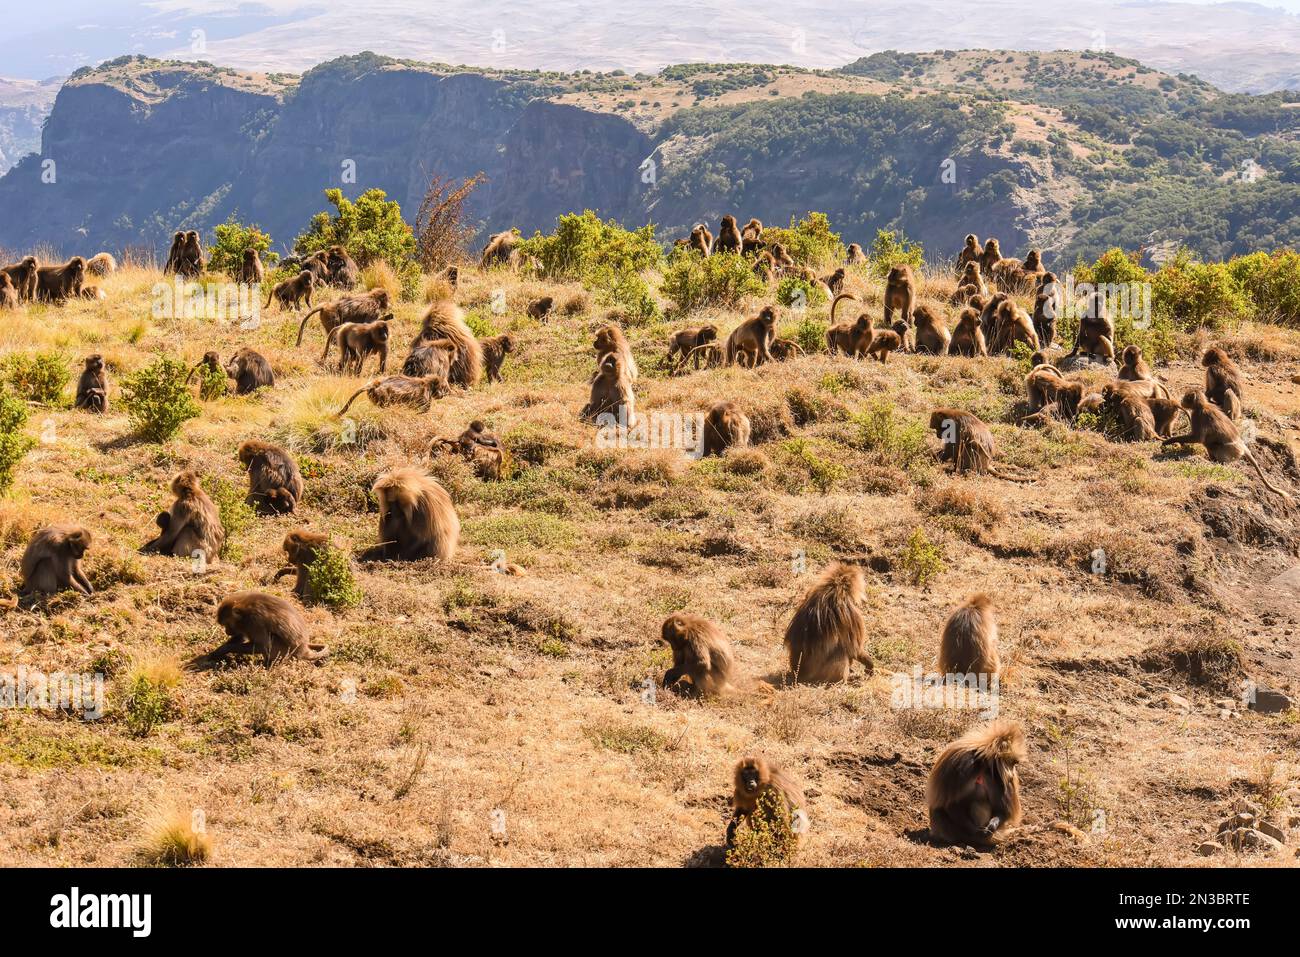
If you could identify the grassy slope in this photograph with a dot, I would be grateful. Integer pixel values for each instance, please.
(475, 691)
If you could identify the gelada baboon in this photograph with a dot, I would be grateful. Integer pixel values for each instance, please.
(610, 338)
(58, 284)
(1211, 427)
(611, 393)
(967, 443)
(856, 256)
(192, 526)
(1048, 299)
(752, 339)
(445, 320)
(1223, 382)
(302, 547)
(495, 349)
(92, 387)
(702, 655)
(835, 281)
(968, 336)
(970, 253)
(701, 240)
(1011, 324)
(501, 248)
(293, 292)
(477, 446)
(932, 335)
(358, 341)
(342, 270)
(725, 426)
(269, 625)
(991, 256)
(274, 482)
(900, 293)
(728, 240)
(1133, 367)
(828, 631)
(783, 349)
(102, 264)
(418, 392)
(416, 519)
(8, 292)
(1137, 423)
(973, 792)
(970, 640)
(23, 274)
(683, 343)
(539, 309)
(1041, 382)
(51, 562)
(363, 307)
(1096, 336)
(185, 257)
(762, 787)
(250, 370)
(251, 271)
(174, 252)
(430, 358)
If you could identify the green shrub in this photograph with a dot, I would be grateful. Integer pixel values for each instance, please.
(810, 334)
(890, 249)
(1113, 266)
(331, 581)
(796, 292)
(14, 443)
(1193, 295)
(232, 240)
(810, 241)
(922, 559)
(891, 438)
(371, 229)
(766, 838)
(213, 383)
(1272, 282)
(158, 401)
(823, 474)
(235, 512)
(723, 279)
(148, 703)
(37, 377)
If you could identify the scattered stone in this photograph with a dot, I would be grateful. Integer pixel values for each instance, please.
(1171, 700)
(1270, 702)
(1227, 704)
(1209, 849)
(1251, 838)
(1273, 831)
(1245, 806)
(1227, 715)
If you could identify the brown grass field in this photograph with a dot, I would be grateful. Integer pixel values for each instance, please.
(469, 718)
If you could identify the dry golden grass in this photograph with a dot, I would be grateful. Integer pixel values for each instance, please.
(469, 718)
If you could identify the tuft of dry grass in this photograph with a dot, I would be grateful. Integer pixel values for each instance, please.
(173, 837)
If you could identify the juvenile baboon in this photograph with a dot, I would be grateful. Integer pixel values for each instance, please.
(502, 248)
(1041, 382)
(611, 392)
(293, 292)
(92, 387)
(1066, 397)
(23, 274)
(363, 307)
(885, 341)
(932, 335)
(1211, 427)
(1137, 423)
(970, 640)
(728, 240)
(1165, 413)
(539, 309)
(430, 358)
(416, 518)
(342, 270)
(101, 264)
(250, 370)
(856, 256)
(753, 339)
(756, 777)
(302, 548)
(481, 449)
(850, 338)
(783, 349)
(828, 631)
(274, 482)
(991, 256)
(782, 258)
(966, 442)
(251, 271)
(971, 283)
(1048, 300)
(1011, 325)
(495, 349)
(445, 320)
(1223, 382)
(725, 426)
(835, 281)
(683, 342)
(765, 267)
(8, 292)
(192, 526)
(58, 284)
(1096, 335)
(701, 240)
(174, 253)
(610, 338)
(900, 293)
(359, 341)
(968, 337)
(973, 792)
(415, 391)
(701, 654)
(1134, 367)
(268, 625)
(970, 253)
(51, 562)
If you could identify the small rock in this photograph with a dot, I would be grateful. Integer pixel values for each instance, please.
(1209, 849)
(1273, 831)
(1293, 820)
(1269, 702)
(1226, 715)
(1170, 700)
(1245, 806)
(1227, 704)
(1251, 838)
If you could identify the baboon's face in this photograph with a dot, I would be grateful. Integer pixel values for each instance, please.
(708, 334)
(750, 778)
(78, 542)
(95, 364)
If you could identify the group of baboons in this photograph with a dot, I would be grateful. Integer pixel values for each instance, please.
(973, 792)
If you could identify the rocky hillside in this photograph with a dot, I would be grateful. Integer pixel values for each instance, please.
(1057, 150)
(24, 104)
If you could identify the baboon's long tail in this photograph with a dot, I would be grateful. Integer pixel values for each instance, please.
(303, 325)
(842, 296)
(328, 340)
(1267, 484)
(350, 401)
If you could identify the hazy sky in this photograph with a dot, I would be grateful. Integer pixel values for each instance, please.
(55, 38)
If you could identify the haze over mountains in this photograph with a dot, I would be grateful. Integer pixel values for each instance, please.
(1236, 46)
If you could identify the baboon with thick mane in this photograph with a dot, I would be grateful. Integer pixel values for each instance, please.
(269, 625)
(446, 320)
(973, 791)
(969, 644)
(724, 427)
(416, 518)
(828, 631)
(51, 563)
(754, 779)
(274, 482)
(701, 654)
(192, 526)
